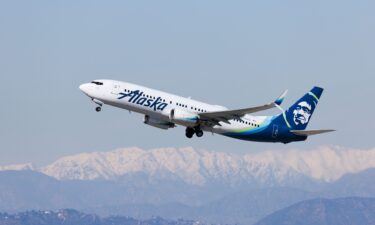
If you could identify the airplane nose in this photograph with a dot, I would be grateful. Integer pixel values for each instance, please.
(84, 88)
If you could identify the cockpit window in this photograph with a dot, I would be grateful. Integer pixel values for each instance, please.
(97, 83)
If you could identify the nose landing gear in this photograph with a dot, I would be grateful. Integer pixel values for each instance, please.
(99, 103)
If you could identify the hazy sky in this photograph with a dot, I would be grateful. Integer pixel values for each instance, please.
(232, 53)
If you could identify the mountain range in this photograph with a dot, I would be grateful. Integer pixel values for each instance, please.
(213, 187)
(200, 167)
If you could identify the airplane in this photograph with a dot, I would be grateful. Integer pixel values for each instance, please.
(163, 110)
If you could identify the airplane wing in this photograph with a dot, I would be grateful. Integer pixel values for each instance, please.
(225, 116)
(310, 132)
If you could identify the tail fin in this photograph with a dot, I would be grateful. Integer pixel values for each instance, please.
(298, 115)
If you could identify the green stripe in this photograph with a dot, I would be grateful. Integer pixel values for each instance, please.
(312, 94)
(286, 121)
(284, 115)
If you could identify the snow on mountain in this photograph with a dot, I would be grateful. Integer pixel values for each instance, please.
(198, 167)
(17, 167)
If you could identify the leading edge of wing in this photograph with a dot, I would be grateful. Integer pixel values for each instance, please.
(226, 115)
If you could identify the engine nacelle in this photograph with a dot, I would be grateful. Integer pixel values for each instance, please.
(162, 124)
(183, 117)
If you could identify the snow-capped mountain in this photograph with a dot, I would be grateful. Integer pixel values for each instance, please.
(18, 167)
(198, 167)
(216, 187)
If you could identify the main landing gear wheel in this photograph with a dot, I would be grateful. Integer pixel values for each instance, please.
(199, 132)
(98, 109)
(189, 132)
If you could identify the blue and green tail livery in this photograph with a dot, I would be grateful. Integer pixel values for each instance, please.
(299, 114)
(287, 127)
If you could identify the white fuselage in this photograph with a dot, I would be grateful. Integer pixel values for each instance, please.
(158, 105)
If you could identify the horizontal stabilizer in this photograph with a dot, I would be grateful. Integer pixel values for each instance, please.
(309, 132)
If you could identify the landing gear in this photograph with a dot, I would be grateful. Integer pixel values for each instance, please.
(198, 132)
(99, 103)
(189, 132)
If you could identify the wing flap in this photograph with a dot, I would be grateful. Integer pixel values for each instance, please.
(310, 132)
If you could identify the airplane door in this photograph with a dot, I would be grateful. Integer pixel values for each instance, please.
(275, 131)
(115, 89)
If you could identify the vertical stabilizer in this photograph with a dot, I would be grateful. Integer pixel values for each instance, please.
(299, 115)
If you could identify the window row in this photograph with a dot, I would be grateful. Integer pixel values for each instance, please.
(163, 100)
(191, 107)
(246, 122)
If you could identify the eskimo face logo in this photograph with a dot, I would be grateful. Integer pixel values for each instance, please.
(302, 113)
(139, 98)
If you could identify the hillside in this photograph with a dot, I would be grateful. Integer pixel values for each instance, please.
(344, 211)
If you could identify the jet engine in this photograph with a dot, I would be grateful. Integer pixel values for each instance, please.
(162, 124)
(183, 117)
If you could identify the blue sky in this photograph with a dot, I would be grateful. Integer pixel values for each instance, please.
(237, 54)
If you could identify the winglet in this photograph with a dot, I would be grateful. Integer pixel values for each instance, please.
(280, 99)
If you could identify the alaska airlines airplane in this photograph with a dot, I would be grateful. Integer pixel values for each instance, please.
(164, 111)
